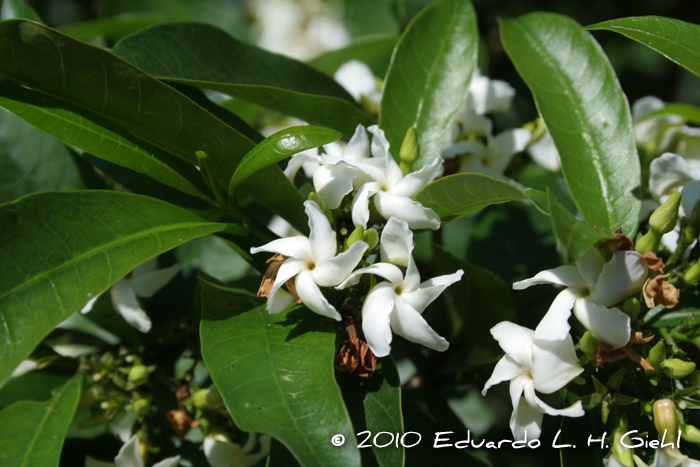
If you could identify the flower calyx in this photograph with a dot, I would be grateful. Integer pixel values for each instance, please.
(604, 354)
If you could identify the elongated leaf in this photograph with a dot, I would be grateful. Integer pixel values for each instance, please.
(428, 78)
(689, 113)
(32, 161)
(18, 9)
(575, 236)
(96, 136)
(672, 38)
(280, 146)
(32, 434)
(365, 49)
(275, 374)
(375, 405)
(102, 83)
(207, 57)
(120, 25)
(458, 195)
(586, 112)
(62, 248)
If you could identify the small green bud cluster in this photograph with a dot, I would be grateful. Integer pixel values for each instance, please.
(661, 222)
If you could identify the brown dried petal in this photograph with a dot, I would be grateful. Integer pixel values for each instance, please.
(655, 263)
(268, 280)
(657, 290)
(180, 421)
(292, 287)
(620, 243)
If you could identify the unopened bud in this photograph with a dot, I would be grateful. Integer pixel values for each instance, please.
(665, 418)
(657, 355)
(371, 238)
(665, 218)
(692, 275)
(368, 105)
(410, 151)
(677, 368)
(356, 235)
(589, 345)
(690, 433)
(209, 398)
(143, 450)
(649, 243)
(622, 452)
(138, 375)
(631, 307)
(141, 407)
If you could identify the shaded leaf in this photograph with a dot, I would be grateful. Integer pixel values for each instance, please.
(586, 112)
(365, 49)
(428, 78)
(689, 113)
(275, 374)
(120, 25)
(207, 57)
(62, 248)
(18, 9)
(31, 433)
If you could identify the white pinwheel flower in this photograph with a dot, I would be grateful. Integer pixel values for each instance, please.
(397, 303)
(312, 262)
(531, 364)
(144, 281)
(544, 152)
(391, 192)
(220, 452)
(593, 288)
(357, 79)
(659, 129)
(488, 95)
(130, 456)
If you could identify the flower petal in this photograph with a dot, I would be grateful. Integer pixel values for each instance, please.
(129, 455)
(91, 303)
(146, 285)
(623, 275)
(574, 410)
(396, 244)
(169, 462)
(555, 324)
(563, 275)
(297, 160)
(333, 183)
(385, 270)
(360, 204)
(544, 152)
(505, 370)
(376, 320)
(312, 297)
(554, 364)
(490, 95)
(430, 290)
(689, 196)
(322, 237)
(462, 148)
(125, 302)
(279, 299)
(417, 216)
(609, 325)
(358, 146)
(357, 78)
(505, 145)
(408, 323)
(293, 247)
(515, 340)
(525, 421)
(590, 265)
(380, 148)
(415, 181)
(668, 171)
(335, 270)
(90, 462)
(220, 453)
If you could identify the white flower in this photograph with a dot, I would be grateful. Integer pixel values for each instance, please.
(488, 95)
(144, 281)
(658, 129)
(531, 364)
(544, 152)
(357, 79)
(312, 262)
(673, 458)
(130, 456)
(593, 288)
(220, 452)
(397, 304)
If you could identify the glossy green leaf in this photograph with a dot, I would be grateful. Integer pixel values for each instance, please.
(365, 49)
(32, 161)
(18, 9)
(96, 136)
(275, 374)
(374, 404)
(586, 112)
(32, 433)
(672, 38)
(120, 25)
(104, 84)
(279, 146)
(428, 78)
(458, 195)
(207, 57)
(62, 248)
(689, 113)
(575, 236)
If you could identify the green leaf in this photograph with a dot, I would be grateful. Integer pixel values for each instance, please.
(98, 81)
(689, 113)
(280, 146)
(275, 374)
(576, 432)
(32, 434)
(672, 38)
(586, 112)
(18, 9)
(32, 161)
(62, 248)
(120, 25)
(93, 134)
(428, 78)
(365, 49)
(574, 236)
(374, 404)
(458, 195)
(207, 57)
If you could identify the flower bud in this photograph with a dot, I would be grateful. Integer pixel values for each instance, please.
(410, 151)
(631, 307)
(141, 407)
(356, 235)
(589, 345)
(677, 368)
(665, 218)
(657, 355)
(649, 242)
(665, 419)
(371, 238)
(368, 105)
(623, 453)
(138, 375)
(690, 433)
(209, 398)
(692, 275)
